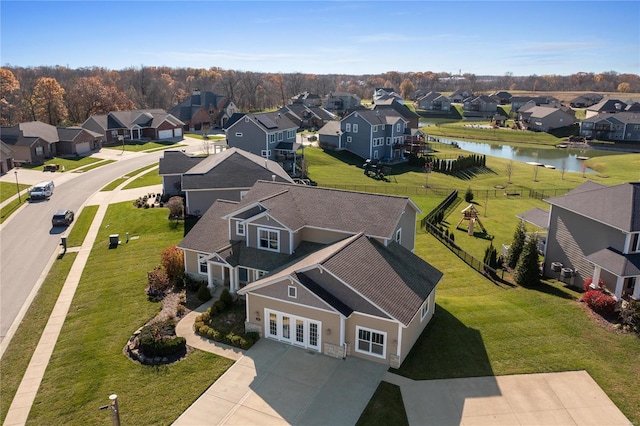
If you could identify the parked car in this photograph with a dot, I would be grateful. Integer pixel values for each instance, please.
(62, 218)
(42, 190)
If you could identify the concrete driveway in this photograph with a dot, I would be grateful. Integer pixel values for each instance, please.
(275, 383)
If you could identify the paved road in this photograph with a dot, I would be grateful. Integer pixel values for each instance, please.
(28, 243)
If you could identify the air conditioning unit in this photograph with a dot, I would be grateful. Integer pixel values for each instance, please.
(556, 266)
(566, 272)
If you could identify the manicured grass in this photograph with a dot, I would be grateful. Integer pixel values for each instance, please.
(209, 138)
(150, 178)
(117, 182)
(163, 148)
(93, 166)
(9, 189)
(67, 164)
(134, 146)
(481, 329)
(81, 226)
(18, 354)
(385, 407)
(458, 130)
(616, 168)
(109, 305)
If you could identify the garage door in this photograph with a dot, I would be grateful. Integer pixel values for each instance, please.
(165, 134)
(177, 132)
(298, 331)
(83, 147)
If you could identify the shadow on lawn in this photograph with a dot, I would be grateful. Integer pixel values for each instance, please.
(446, 349)
(562, 292)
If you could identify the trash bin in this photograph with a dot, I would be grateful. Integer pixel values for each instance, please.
(114, 240)
(63, 242)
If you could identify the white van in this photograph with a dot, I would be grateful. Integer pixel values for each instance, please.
(42, 190)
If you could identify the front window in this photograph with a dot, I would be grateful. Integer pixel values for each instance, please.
(347, 127)
(293, 292)
(291, 134)
(202, 264)
(268, 239)
(399, 236)
(280, 136)
(371, 342)
(272, 138)
(355, 128)
(424, 310)
(240, 228)
(398, 128)
(39, 150)
(635, 243)
(266, 153)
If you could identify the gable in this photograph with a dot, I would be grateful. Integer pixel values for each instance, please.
(280, 290)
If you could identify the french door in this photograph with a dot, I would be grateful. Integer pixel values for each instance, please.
(298, 331)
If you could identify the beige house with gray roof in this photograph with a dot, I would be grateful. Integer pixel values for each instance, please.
(328, 270)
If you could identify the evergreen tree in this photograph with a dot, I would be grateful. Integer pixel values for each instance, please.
(527, 273)
(516, 245)
(491, 256)
(468, 196)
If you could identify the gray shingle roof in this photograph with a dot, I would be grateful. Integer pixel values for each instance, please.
(232, 168)
(211, 232)
(390, 281)
(25, 134)
(536, 216)
(70, 133)
(617, 206)
(623, 265)
(176, 162)
(299, 205)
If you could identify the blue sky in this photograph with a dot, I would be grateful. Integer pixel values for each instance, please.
(345, 37)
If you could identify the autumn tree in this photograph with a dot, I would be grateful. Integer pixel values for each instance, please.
(173, 262)
(406, 88)
(9, 98)
(624, 88)
(48, 101)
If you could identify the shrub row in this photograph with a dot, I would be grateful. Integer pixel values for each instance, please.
(599, 302)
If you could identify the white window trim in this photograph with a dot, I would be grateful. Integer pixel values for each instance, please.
(425, 308)
(355, 128)
(280, 136)
(269, 230)
(272, 138)
(384, 342)
(238, 134)
(291, 134)
(348, 138)
(375, 155)
(347, 127)
(398, 127)
(292, 292)
(200, 262)
(266, 153)
(399, 236)
(240, 228)
(388, 140)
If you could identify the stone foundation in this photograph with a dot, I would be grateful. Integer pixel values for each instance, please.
(333, 351)
(394, 361)
(249, 326)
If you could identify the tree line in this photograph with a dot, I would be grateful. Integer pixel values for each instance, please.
(64, 96)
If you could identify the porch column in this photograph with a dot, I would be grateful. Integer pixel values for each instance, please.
(595, 277)
(210, 284)
(636, 290)
(233, 280)
(619, 285)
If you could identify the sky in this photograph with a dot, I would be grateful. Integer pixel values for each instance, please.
(327, 37)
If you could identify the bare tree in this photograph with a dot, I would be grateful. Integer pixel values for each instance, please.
(176, 208)
(563, 168)
(509, 170)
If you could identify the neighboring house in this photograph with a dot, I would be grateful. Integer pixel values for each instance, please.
(434, 101)
(460, 95)
(340, 102)
(78, 141)
(594, 230)
(384, 94)
(307, 99)
(543, 119)
(585, 100)
(328, 270)
(6, 158)
(607, 105)
(377, 135)
(502, 97)
(152, 124)
(227, 175)
(32, 142)
(205, 109)
(172, 165)
(633, 107)
(519, 101)
(399, 107)
(270, 135)
(481, 105)
(622, 126)
(307, 117)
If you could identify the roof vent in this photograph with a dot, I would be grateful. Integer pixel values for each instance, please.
(273, 178)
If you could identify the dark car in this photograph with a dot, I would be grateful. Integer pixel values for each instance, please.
(62, 218)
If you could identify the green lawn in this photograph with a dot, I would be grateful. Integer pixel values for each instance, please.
(9, 189)
(150, 178)
(136, 146)
(457, 130)
(81, 226)
(67, 164)
(93, 166)
(117, 182)
(110, 304)
(385, 408)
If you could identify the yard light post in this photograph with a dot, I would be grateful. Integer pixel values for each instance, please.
(17, 186)
(121, 138)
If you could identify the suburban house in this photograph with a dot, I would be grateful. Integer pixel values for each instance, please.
(501, 97)
(172, 165)
(401, 109)
(518, 102)
(384, 94)
(307, 117)
(6, 158)
(460, 95)
(543, 118)
(371, 134)
(77, 141)
(204, 110)
(152, 124)
(480, 106)
(622, 127)
(307, 99)
(271, 135)
(328, 270)
(226, 175)
(434, 101)
(607, 105)
(633, 107)
(32, 142)
(340, 102)
(594, 232)
(585, 100)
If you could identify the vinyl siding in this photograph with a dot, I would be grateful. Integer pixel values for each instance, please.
(198, 202)
(375, 324)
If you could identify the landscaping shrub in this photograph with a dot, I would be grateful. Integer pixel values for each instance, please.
(226, 298)
(203, 293)
(468, 196)
(630, 315)
(215, 324)
(491, 256)
(599, 302)
(159, 339)
(173, 262)
(515, 249)
(588, 282)
(158, 283)
(527, 272)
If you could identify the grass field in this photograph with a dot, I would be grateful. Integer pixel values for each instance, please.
(117, 182)
(137, 146)
(67, 164)
(150, 178)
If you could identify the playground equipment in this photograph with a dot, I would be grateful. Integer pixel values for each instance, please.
(471, 214)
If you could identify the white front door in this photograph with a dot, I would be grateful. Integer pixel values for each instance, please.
(298, 331)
